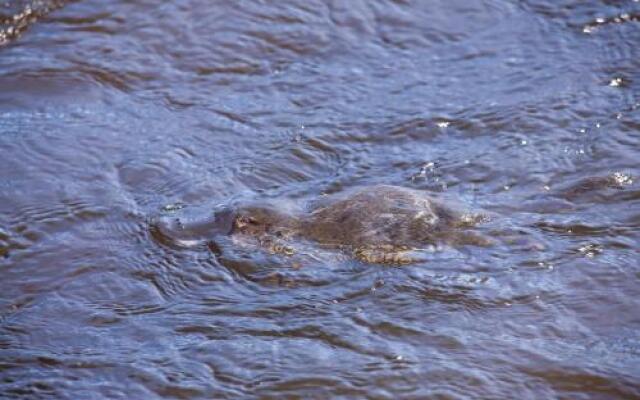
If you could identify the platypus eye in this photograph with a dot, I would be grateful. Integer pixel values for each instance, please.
(244, 221)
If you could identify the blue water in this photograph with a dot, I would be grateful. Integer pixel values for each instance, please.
(112, 113)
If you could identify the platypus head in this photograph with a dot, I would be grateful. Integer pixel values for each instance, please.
(191, 228)
(259, 220)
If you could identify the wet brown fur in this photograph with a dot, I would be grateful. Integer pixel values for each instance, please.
(379, 224)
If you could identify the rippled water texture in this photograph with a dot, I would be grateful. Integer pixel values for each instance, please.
(115, 112)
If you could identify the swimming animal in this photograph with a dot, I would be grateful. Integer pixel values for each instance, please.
(376, 224)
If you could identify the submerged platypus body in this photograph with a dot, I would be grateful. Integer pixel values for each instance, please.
(376, 224)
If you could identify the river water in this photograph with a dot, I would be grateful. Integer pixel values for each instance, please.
(115, 112)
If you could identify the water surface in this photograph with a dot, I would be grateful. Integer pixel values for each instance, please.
(112, 113)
